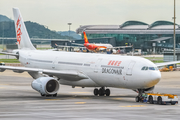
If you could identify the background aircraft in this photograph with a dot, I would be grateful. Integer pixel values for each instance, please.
(51, 68)
(93, 46)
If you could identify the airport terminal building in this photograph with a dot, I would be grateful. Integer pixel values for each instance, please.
(154, 37)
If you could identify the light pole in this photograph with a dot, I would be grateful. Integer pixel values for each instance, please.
(174, 31)
(69, 29)
(3, 37)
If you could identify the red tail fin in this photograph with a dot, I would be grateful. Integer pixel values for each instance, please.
(85, 38)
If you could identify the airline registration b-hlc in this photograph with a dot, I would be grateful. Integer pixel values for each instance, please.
(49, 69)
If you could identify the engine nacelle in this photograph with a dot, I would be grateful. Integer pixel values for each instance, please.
(46, 85)
(149, 89)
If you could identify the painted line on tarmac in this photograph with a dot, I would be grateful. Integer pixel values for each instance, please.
(133, 106)
(79, 92)
(80, 102)
(4, 84)
(117, 98)
(51, 99)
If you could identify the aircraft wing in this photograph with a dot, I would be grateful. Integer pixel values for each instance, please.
(77, 44)
(13, 54)
(167, 63)
(64, 74)
(64, 46)
(120, 47)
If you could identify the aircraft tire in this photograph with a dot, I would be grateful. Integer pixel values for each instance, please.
(137, 99)
(96, 91)
(42, 95)
(107, 92)
(101, 92)
(55, 95)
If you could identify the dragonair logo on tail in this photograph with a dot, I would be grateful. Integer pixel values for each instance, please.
(85, 38)
(18, 30)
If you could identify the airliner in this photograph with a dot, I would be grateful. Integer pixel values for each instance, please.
(50, 69)
(94, 46)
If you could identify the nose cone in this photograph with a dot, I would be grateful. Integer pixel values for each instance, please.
(154, 79)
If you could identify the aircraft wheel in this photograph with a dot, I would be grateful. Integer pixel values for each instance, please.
(159, 100)
(107, 92)
(137, 99)
(96, 91)
(55, 95)
(101, 92)
(151, 100)
(42, 94)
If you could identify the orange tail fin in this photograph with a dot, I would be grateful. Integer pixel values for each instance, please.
(85, 38)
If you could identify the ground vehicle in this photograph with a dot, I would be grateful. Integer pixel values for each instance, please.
(160, 99)
(2, 63)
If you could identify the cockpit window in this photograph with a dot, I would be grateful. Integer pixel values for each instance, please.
(145, 68)
(156, 68)
(150, 68)
(153, 68)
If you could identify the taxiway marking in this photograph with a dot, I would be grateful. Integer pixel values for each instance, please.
(117, 98)
(80, 102)
(133, 106)
(51, 99)
(79, 92)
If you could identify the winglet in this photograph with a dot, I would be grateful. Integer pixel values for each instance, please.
(85, 38)
(23, 39)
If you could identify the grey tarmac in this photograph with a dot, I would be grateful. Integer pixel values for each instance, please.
(18, 101)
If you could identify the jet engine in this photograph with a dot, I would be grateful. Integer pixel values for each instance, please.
(46, 86)
(145, 90)
(149, 89)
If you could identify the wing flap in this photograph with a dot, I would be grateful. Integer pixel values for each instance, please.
(69, 75)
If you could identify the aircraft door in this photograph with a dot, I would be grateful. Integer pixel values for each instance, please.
(130, 68)
(55, 63)
(27, 61)
(97, 65)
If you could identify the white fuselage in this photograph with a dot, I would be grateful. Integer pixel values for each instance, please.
(103, 70)
(106, 45)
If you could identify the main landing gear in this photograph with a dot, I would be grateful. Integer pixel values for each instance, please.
(54, 95)
(101, 92)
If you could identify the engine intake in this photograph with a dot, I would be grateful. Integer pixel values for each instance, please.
(46, 85)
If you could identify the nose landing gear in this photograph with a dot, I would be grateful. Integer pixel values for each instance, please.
(101, 92)
(139, 97)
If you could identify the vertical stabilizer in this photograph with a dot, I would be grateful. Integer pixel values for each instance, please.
(85, 38)
(23, 40)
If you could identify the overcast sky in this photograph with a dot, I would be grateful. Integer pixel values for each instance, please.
(57, 13)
